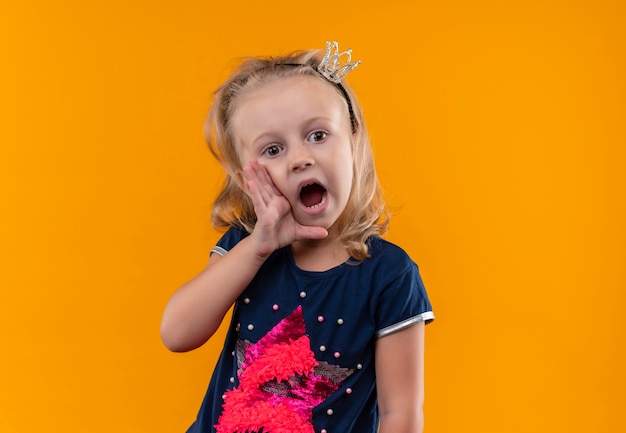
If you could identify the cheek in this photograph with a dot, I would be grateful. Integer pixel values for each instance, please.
(344, 169)
(347, 164)
(277, 179)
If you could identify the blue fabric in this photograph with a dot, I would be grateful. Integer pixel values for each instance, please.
(366, 297)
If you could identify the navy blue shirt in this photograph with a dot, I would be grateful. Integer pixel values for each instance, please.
(300, 347)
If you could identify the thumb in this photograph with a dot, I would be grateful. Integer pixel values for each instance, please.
(310, 232)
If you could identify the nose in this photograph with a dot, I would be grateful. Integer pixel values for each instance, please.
(301, 158)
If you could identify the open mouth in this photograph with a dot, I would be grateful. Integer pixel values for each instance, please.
(313, 195)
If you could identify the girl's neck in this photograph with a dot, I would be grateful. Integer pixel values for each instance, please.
(319, 255)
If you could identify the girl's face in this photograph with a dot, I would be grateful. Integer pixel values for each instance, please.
(299, 129)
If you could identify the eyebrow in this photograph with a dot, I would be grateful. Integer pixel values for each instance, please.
(306, 124)
(262, 137)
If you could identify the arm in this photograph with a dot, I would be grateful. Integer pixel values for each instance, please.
(196, 310)
(400, 380)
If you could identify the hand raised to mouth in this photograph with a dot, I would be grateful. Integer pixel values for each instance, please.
(276, 226)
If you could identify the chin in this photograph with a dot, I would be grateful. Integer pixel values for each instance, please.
(307, 220)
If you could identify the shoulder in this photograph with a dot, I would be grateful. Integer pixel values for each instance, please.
(387, 254)
(229, 239)
(400, 297)
(387, 264)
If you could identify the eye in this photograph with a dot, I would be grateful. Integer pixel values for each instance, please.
(272, 150)
(317, 136)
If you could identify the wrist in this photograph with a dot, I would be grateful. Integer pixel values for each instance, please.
(258, 250)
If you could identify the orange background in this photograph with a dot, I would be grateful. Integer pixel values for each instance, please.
(499, 133)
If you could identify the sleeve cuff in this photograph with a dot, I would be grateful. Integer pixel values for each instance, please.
(218, 250)
(427, 317)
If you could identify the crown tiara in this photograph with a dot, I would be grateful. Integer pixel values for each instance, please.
(330, 66)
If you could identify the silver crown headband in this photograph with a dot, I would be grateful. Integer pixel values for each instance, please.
(330, 67)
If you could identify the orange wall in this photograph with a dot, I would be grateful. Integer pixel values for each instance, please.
(499, 132)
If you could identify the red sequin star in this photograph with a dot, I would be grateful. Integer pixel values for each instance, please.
(280, 382)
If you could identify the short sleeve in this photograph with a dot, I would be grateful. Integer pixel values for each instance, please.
(231, 238)
(403, 302)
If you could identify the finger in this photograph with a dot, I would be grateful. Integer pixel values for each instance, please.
(254, 173)
(254, 177)
(255, 190)
(310, 232)
(255, 195)
(265, 175)
(269, 180)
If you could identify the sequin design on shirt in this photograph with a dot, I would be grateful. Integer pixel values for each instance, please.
(280, 382)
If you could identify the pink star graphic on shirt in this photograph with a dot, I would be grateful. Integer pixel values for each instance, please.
(280, 382)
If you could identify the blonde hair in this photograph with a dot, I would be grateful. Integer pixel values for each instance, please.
(364, 215)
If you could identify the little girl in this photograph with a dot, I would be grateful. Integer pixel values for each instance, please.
(327, 330)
